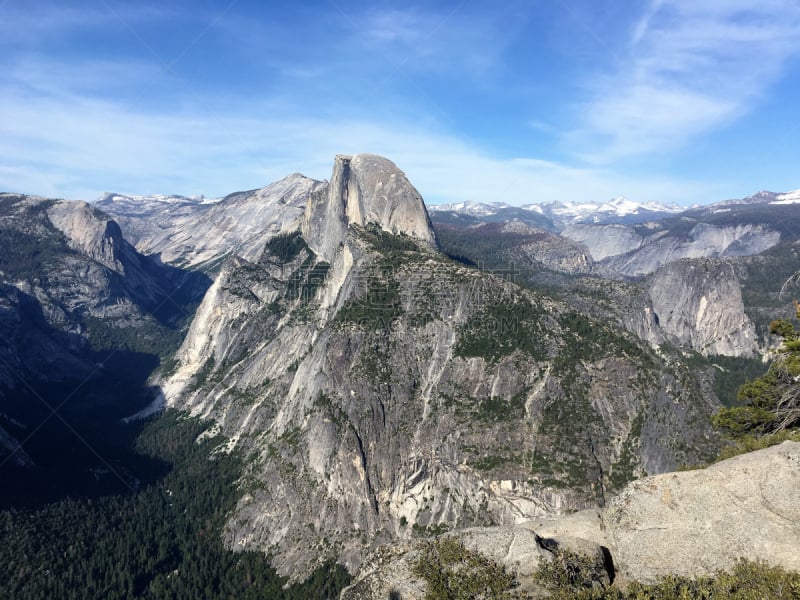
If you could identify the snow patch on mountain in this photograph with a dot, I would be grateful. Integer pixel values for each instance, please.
(476, 209)
(788, 198)
(564, 214)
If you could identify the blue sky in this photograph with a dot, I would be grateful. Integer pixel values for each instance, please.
(519, 101)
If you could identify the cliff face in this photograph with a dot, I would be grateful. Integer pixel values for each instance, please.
(365, 190)
(69, 261)
(90, 232)
(194, 234)
(698, 304)
(540, 247)
(695, 304)
(382, 391)
(746, 506)
(603, 241)
(639, 250)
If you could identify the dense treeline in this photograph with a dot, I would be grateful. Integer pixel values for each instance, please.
(162, 541)
(769, 406)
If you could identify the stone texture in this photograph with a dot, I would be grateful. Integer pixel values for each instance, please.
(191, 233)
(71, 284)
(585, 524)
(639, 250)
(696, 522)
(603, 241)
(690, 523)
(90, 232)
(546, 249)
(702, 241)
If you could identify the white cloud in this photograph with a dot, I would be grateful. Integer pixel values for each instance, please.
(75, 128)
(79, 147)
(690, 67)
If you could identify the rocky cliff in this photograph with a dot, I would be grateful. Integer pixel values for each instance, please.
(516, 245)
(540, 247)
(698, 304)
(689, 524)
(68, 262)
(382, 391)
(603, 241)
(365, 190)
(746, 506)
(641, 249)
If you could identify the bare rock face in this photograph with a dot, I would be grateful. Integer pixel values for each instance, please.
(641, 249)
(547, 249)
(71, 287)
(698, 304)
(192, 233)
(702, 241)
(90, 232)
(72, 260)
(365, 189)
(603, 241)
(696, 522)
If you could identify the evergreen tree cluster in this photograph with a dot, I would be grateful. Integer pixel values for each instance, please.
(163, 541)
(769, 406)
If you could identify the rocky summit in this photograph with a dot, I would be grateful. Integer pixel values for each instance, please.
(365, 190)
(382, 391)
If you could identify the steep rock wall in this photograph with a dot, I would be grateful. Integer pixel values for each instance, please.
(698, 304)
(365, 190)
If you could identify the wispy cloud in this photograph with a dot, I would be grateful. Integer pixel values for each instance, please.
(267, 92)
(690, 67)
(78, 146)
(451, 38)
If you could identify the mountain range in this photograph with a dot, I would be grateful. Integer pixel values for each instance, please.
(387, 373)
(559, 215)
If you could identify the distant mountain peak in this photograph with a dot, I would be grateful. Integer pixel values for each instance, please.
(165, 198)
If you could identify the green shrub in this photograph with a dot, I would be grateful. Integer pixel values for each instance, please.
(751, 443)
(377, 307)
(748, 580)
(770, 411)
(568, 571)
(501, 328)
(741, 420)
(454, 572)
